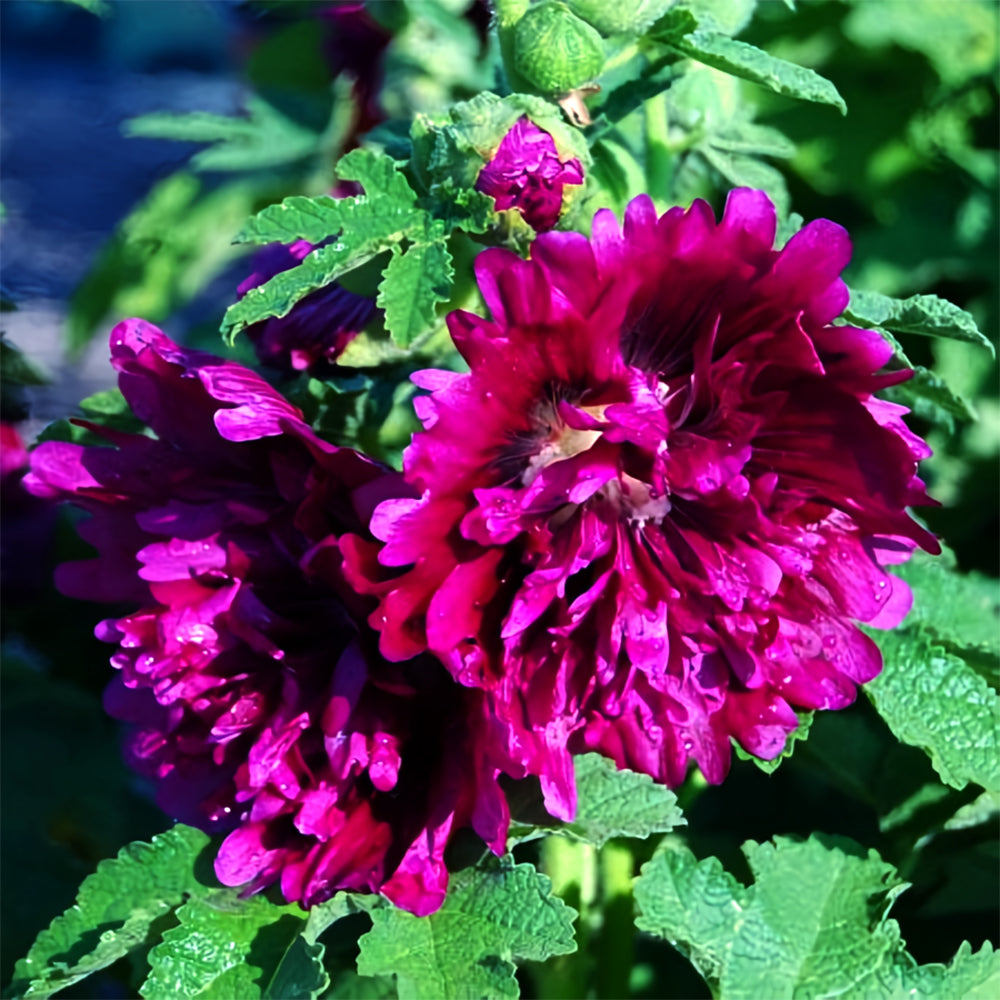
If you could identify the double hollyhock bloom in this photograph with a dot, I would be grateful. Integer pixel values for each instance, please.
(654, 511)
(314, 334)
(526, 173)
(258, 699)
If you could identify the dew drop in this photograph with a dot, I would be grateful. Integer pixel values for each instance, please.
(830, 641)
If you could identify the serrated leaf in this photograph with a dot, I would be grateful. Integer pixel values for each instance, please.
(613, 803)
(932, 699)
(368, 224)
(961, 611)
(926, 315)
(803, 929)
(226, 947)
(800, 733)
(278, 296)
(377, 173)
(412, 285)
(747, 61)
(969, 976)
(114, 910)
(491, 918)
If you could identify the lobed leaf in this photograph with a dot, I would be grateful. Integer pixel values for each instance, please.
(113, 913)
(812, 925)
(747, 61)
(412, 285)
(264, 138)
(932, 699)
(491, 918)
(926, 315)
(225, 947)
(619, 803)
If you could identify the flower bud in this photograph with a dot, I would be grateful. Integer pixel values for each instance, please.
(554, 50)
(619, 17)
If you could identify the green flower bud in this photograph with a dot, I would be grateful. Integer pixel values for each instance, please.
(554, 50)
(619, 17)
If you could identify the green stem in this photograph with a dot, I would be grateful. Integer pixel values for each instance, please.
(616, 946)
(570, 866)
(659, 157)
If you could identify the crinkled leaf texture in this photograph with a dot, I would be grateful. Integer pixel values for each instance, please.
(937, 690)
(412, 284)
(613, 803)
(610, 803)
(927, 315)
(226, 947)
(812, 925)
(935, 700)
(492, 917)
(114, 910)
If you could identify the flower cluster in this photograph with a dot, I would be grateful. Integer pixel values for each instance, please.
(647, 521)
(259, 702)
(653, 511)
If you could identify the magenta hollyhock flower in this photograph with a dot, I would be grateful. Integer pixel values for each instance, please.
(259, 702)
(318, 328)
(527, 174)
(655, 509)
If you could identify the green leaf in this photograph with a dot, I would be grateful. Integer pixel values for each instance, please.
(969, 976)
(812, 925)
(750, 63)
(934, 700)
(16, 368)
(798, 734)
(412, 284)
(614, 803)
(926, 315)
(927, 395)
(961, 611)
(377, 173)
(299, 974)
(266, 138)
(113, 913)
(369, 224)
(226, 947)
(491, 918)
(278, 296)
(167, 249)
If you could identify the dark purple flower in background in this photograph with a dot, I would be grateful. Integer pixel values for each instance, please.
(526, 173)
(318, 328)
(355, 45)
(653, 512)
(258, 699)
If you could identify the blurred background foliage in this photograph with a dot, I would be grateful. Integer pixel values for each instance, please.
(911, 172)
